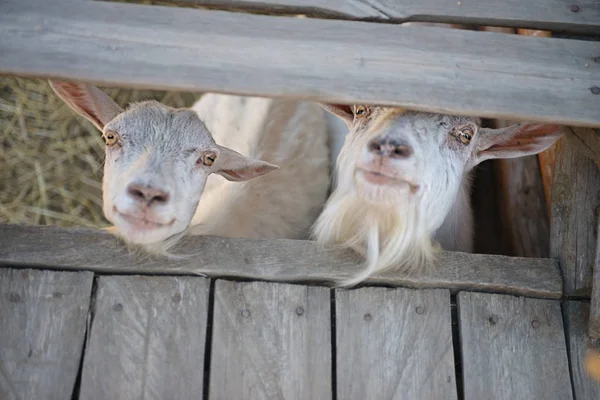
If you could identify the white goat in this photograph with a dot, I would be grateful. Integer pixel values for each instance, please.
(403, 179)
(159, 159)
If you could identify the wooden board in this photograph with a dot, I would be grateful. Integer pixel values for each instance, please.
(575, 197)
(577, 314)
(512, 348)
(547, 14)
(594, 321)
(43, 318)
(523, 209)
(275, 260)
(270, 341)
(424, 68)
(394, 344)
(147, 339)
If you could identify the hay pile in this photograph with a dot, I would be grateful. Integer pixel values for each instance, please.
(50, 158)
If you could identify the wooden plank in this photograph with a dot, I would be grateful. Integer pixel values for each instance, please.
(523, 208)
(548, 14)
(394, 344)
(576, 317)
(271, 341)
(594, 330)
(512, 348)
(147, 339)
(43, 318)
(423, 68)
(273, 260)
(575, 196)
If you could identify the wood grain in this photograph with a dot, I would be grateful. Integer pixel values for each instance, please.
(576, 317)
(43, 318)
(512, 348)
(394, 344)
(423, 68)
(594, 329)
(272, 260)
(575, 197)
(547, 14)
(270, 341)
(147, 339)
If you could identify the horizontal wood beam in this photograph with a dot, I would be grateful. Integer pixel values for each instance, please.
(556, 15)
(460, 72)
(270, 260)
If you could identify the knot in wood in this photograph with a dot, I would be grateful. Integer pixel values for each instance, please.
(176, 298)
(595, 90)
(493, 320)
(574, 8)
(420, 310)
(118, 307)
(368, 317)
(57, 295)
(245, 313)
(299, 310)
(535, 323)
(15, 297)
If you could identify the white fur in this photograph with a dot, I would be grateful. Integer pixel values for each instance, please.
(393, 226)
(281, 204)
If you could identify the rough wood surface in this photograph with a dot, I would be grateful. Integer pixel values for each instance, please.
(425, 68)
(43, 318)
(512, 348)
(276, 260)
(588, 142)
(594, 329)
(147, 339)
(394, 344)
(576, 317)
(270, 341)
(523, 209)
(547, 160)
(575, 197)
(547, 14)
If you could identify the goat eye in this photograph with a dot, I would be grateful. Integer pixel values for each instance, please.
(361, 110)
(465, 135)
(208, 159)
(111, 138)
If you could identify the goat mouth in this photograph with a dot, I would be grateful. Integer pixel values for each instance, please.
(381, 179)
(142, 223)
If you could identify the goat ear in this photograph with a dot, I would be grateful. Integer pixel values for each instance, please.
(88, 101)
(235, 167)
(341, 110)
(515, 141)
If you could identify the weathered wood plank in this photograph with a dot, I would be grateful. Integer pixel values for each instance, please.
(548, 14)
(575, 197)
(523, 207)
(512, 348)
(594, 330)
(147, 339)
(43, 318)
(270, 341)
(394, 344)
(424, 68)
(576, 317)
(275, 260)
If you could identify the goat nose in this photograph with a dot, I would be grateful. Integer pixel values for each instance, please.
(147, 194)
(390, 148)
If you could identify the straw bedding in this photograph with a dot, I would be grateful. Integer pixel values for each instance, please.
(51, 158)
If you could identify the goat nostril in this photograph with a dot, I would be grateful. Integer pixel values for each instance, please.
(374, 146)
(160, 198)
(402, 151)
(147, 194)
(136, 193)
